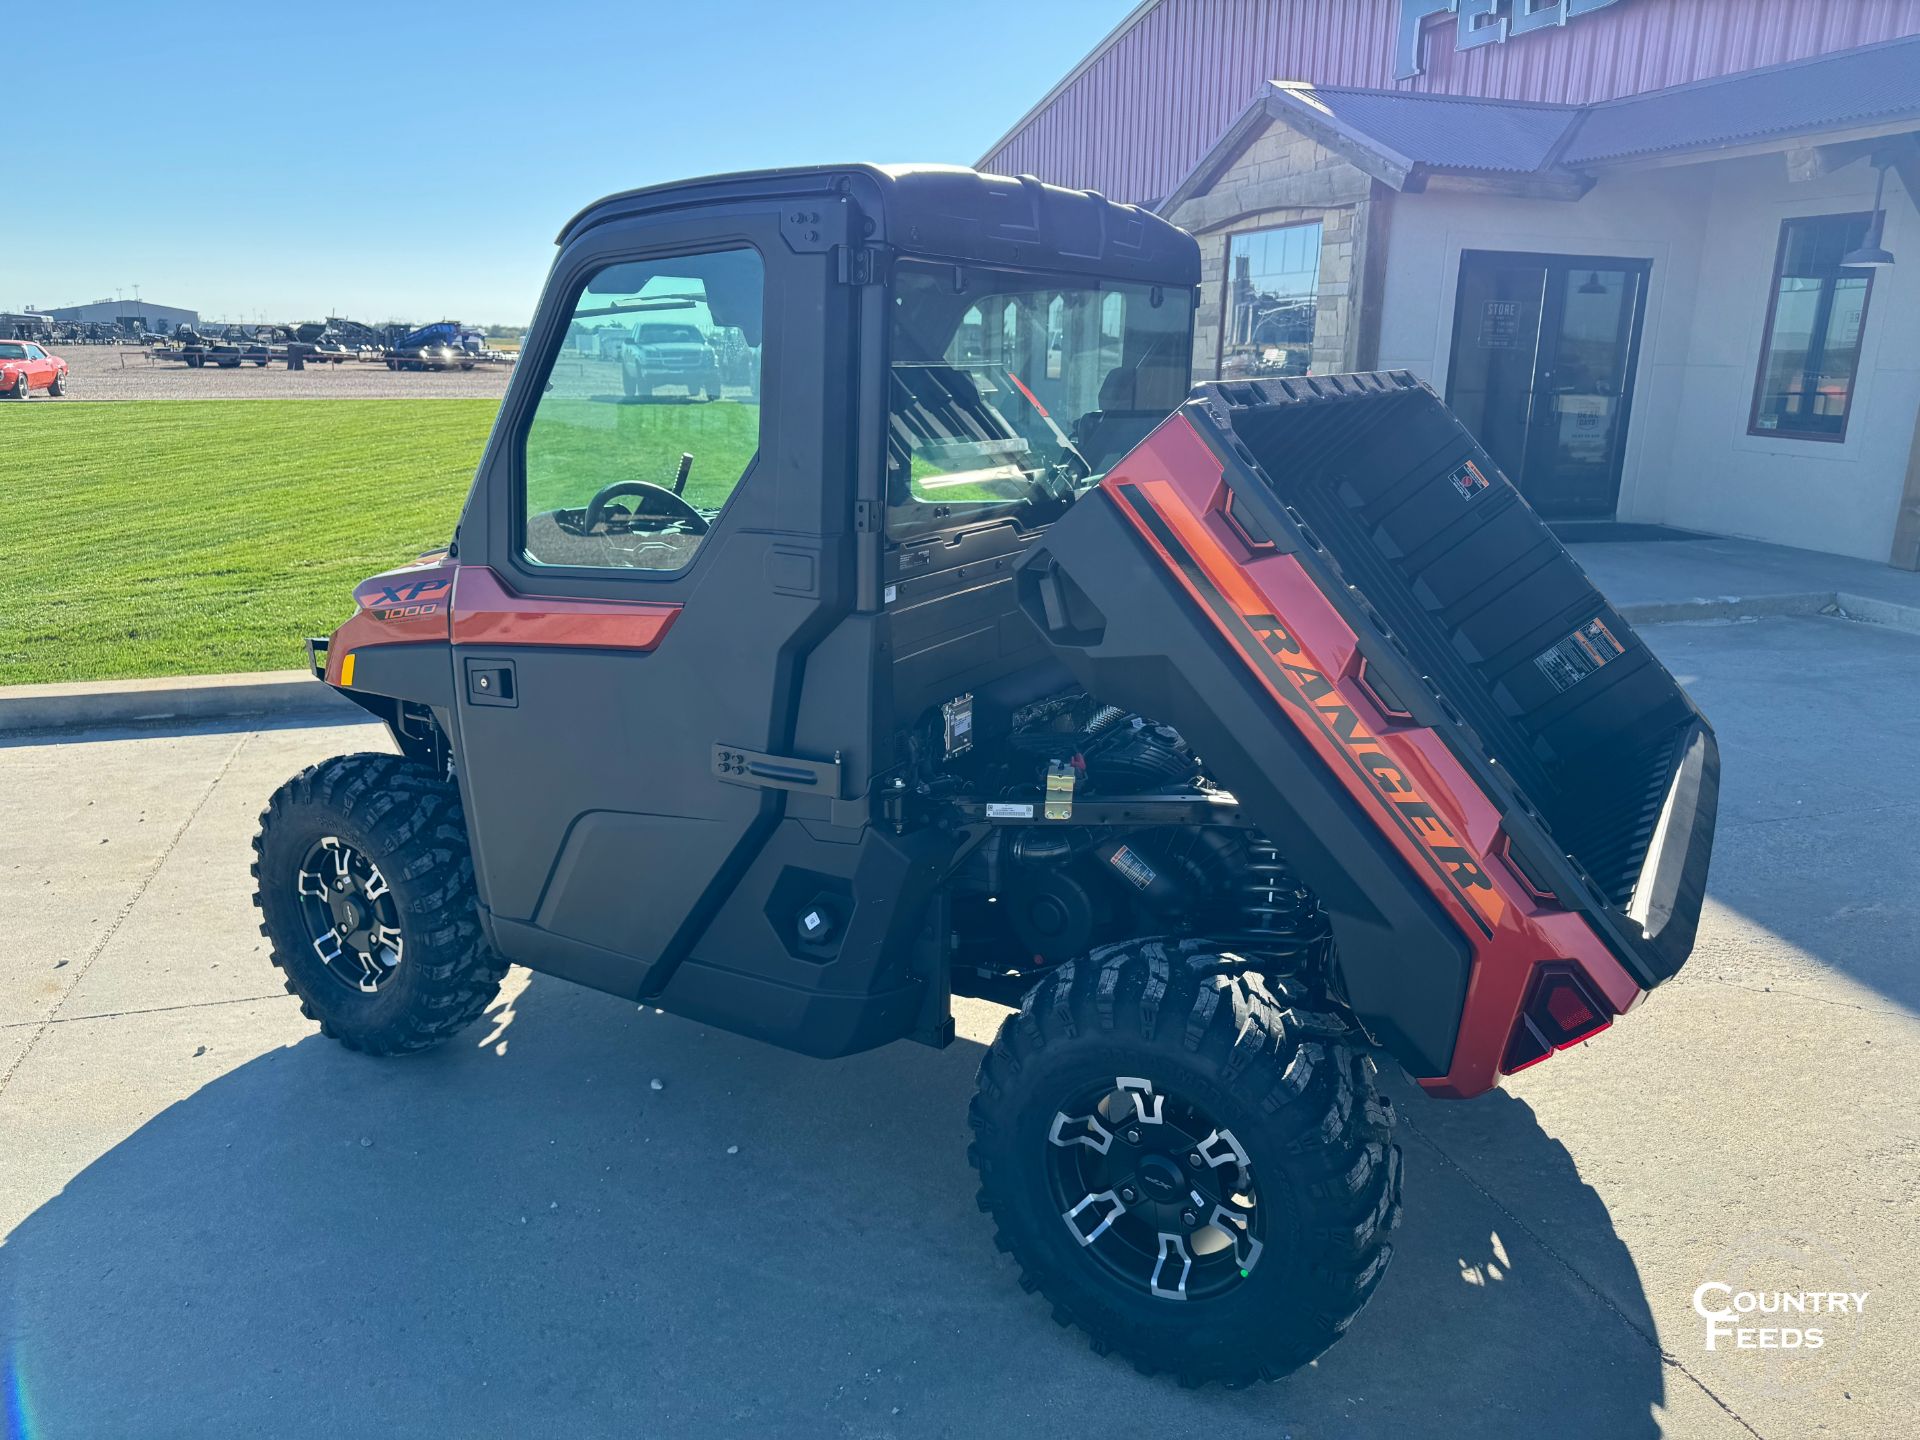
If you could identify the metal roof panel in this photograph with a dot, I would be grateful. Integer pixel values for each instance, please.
(1830, 92)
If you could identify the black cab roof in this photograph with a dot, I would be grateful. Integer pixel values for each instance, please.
(951, 212)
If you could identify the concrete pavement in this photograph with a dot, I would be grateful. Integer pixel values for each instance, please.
(1720, 577)
(215, 1223)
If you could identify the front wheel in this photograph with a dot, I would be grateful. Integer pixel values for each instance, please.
(1189, 1161)
(21, 389)
(58, 385)
(364, 883)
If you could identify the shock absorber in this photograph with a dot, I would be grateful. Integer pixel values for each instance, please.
(1279, 915)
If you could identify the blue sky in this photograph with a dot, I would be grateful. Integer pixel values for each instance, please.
(292, 159)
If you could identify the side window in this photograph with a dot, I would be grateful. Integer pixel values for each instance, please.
(1817, 313)
(1273, 291)
(651, 414)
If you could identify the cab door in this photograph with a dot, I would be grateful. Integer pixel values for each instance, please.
(642, 578)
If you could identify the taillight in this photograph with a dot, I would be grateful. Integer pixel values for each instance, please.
(1560, 1010)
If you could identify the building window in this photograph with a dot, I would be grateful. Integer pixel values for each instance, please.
(1273, 285)
(1812, 347)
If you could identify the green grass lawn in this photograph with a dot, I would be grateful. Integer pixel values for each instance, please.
(193, 537)
(184, 537)
(577, 445)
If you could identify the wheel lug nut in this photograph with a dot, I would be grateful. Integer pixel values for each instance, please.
(1133, 1137)
(1129, 1194)
(1187, 1217)
(1195, 1161)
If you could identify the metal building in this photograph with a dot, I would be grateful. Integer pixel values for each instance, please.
(133, 316)
(1644, 247)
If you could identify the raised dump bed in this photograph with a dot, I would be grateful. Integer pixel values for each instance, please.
(1485, 601)
(1484, 709)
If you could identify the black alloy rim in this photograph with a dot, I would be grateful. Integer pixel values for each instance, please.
(1158, 1195)
(352, 918)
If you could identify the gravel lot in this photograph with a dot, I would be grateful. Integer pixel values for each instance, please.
(106, 372)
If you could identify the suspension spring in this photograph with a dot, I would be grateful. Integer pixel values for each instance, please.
(1279, 915)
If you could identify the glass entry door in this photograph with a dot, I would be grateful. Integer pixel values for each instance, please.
(1544, 348)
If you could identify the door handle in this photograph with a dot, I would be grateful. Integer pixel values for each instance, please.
(492, 682)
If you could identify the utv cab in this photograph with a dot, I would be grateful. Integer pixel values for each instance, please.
(953, 645)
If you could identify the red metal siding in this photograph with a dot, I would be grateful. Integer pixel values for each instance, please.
(1143, 114)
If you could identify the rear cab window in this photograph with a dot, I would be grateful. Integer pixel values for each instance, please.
(1011, 393)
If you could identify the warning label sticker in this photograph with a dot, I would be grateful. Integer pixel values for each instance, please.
(1138, 873)
(1468, 480)
(1579, 655)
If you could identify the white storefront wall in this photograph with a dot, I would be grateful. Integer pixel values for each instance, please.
(1710, 232)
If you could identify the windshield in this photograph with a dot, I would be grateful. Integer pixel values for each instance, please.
(1011, 393)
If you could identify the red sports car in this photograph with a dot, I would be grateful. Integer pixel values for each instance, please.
(25, 367)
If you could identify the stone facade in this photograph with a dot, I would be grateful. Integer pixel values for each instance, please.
(1285, 178)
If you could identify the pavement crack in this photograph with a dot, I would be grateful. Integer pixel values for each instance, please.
(1652, 1342)
(1888, 1013)
(1846, 813)
(52, 1017)
(149, 1010)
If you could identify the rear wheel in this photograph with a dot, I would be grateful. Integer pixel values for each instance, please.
(364, 884)
(1191, 1162)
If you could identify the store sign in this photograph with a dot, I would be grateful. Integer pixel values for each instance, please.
(1481, 22)
(1500, 326)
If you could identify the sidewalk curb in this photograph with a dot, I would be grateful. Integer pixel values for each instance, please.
(1862, 609)
(1728, 607)
(1879, 612)
(183, 697)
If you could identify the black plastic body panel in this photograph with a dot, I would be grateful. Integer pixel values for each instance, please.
(1405, 963)
(420, 671)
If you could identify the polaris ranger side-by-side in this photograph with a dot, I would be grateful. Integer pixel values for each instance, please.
(1235, 735)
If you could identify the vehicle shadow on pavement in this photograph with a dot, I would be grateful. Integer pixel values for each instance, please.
(323, 717)
(520, 1235)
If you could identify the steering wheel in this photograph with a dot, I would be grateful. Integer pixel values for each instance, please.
(655, 500)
